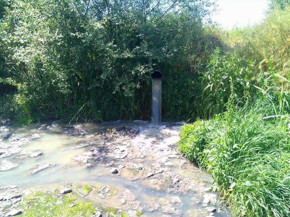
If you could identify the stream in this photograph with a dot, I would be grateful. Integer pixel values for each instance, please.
(138, 161)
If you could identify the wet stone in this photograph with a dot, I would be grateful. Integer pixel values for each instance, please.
(14, 213)
(7, 165)
(210, 199)
(211, 209)
(40, 168)
(36, 154)
(114, 171)
(168, 209)
(66, 191)
(98, 214)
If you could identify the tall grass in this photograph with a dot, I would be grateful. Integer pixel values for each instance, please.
(247, 151)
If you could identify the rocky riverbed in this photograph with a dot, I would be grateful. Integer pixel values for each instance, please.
(110, 169)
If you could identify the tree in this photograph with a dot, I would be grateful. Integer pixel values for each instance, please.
(279, 4)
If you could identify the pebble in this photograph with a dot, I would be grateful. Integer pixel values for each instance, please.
(114, 171)
(66, 191)
(98, 214)
(175, 181)
(7, 165)
(14, 213)
(36, 154)
(209, 199)
(210, 209)
(42, 167)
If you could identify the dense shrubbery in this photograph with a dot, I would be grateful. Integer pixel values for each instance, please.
(247, 151)
(247, 148)
(92, 59)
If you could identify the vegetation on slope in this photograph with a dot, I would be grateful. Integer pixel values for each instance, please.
(247, 148)
(247, 151)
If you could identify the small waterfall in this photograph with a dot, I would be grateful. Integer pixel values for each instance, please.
(156, 97)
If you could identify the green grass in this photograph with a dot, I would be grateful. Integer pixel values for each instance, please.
(86, 189)
(50, 205)
(247, 152)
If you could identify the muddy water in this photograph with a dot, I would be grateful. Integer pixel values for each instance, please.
(129, 156)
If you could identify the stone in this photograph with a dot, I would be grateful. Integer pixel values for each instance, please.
(168, 209)
(40, 168)
(7, 136)
(35, 136)
(66, 191)
(149, 175)
(175, 200)
(175, 181)
(211, 209)
(7, 165)
(97, 214)
(36, 154)
(114, 171)
(104, 191)
(89, 165)
(14, 213)
(121, 152)
(209, 199)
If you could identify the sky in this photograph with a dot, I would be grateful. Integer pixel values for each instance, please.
(240, 13)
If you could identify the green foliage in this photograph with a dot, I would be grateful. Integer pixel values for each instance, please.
(48, 204)
(228, 78)
(267, 42)
(86, 189)
(279, 4)
(247, 151)
(92, 59)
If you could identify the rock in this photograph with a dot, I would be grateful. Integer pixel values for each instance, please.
(168, 209)
(149, 175)
(42, 167)
(152, 206)
(104, 191)
(175, 181)
(175, 200)
(7, 165)
(35, 136)
(7, 136)
(97, 214)
(14, 213)
(209, 199)
(121, 152)
(66, 191)
(72, 205)
(178, 213)
(36, 154)
(210, 209)
(89, 165)
(16, 196)
(123, 201)
(114, 171)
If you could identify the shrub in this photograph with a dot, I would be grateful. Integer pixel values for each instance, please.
(92, 60)
(247, 152)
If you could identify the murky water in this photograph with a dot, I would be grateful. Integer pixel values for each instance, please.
(146, 158)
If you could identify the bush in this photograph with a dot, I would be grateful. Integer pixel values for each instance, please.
(247, 152)
(228, 78)
(92, 60)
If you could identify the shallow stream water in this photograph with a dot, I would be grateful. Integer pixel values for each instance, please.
(145, 159)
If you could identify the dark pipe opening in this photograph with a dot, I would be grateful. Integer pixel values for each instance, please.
(156, 75)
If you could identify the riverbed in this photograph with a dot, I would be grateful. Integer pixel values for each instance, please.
(132, 167)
